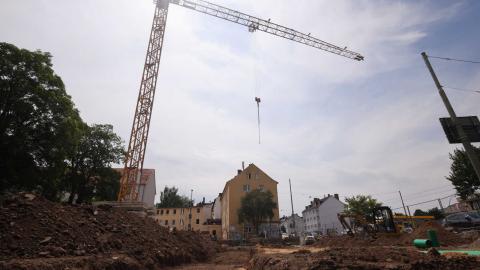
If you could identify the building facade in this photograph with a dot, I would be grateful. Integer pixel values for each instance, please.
(196, 218)
(246, 180)
(290, 227)
(146, 187)
(321, 215)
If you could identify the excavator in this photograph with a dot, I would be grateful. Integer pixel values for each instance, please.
(379, 221)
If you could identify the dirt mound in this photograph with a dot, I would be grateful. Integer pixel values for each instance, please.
(446, 238)
(359, 258)
(33, 227)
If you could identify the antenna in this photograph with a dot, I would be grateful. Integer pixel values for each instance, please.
(257, 99)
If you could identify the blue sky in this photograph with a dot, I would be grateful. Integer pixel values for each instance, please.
(331, 124)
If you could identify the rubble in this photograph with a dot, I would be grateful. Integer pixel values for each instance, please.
(32, 227)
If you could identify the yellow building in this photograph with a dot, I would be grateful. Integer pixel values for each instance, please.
(249, 179)
(179, 218)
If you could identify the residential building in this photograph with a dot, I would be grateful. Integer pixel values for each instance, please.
(246, 180)
(179, 218)
(146, 187)
(321, 215)
(290, 227)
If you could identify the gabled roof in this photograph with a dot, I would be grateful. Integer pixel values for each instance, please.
(251, 165)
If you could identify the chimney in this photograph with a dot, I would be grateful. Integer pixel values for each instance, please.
(239, 172)
(203, 201)
(336, 196)
(243, 165)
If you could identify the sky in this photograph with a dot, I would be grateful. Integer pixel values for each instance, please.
(328, 123)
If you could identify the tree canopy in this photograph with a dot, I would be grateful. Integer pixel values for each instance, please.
(169, 198)
(462, 175)
(256, 207)
(42, 135)
(435, 212)
(361, 205)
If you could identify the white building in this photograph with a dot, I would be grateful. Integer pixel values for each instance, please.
(287, 223)
(321, 215)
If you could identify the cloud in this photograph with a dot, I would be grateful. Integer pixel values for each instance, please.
(331, 124)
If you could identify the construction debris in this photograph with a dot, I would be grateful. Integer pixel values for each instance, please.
(36, 233)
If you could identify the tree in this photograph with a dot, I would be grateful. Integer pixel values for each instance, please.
(169, 198)
(435, 212)
(256, 207)
(90, 174)
(420, 212)
(39, 124)
(462, 175)
(361, 205)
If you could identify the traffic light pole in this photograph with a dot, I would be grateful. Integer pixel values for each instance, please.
(461, 133)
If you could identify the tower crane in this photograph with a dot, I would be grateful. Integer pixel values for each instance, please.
(133, 162)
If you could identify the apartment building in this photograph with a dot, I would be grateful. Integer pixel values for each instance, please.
(321, 215)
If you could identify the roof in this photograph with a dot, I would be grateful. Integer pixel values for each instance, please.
(251, 165)
(318, 202)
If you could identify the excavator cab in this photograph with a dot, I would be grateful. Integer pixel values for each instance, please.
(383, 220)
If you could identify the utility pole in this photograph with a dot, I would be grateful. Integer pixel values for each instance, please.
(401, 198)
(461, 133)
(190, 214)
(291, 201)
(441, 205)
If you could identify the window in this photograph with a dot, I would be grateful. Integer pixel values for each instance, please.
(158, 212)
(261, 188)
(198, 210)
(161, 212)
(167, 211)
(166, 222)
(181, 222)
(249, 176)
(246, 188)
(182, 211)
(173, 222)
(257, 176)
(174, 211)
(197, 221)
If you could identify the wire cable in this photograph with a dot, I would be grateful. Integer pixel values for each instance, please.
(462, 89)
(453, 59)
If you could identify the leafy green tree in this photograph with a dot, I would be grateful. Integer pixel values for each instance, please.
(361, 205)
(90, 174)
(256, 207)
(39, 124)
(169, 198)
(462, 175)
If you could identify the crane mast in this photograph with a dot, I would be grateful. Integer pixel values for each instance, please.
(133, 162)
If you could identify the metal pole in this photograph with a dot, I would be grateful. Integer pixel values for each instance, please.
(461, 133)
(441, 205)
(190, 214)
(401, 198)
(291, 201)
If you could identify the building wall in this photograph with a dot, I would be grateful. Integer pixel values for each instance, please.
(299, 225)
(249, 179)
(178, 218)
(322, 218)
(328, 219)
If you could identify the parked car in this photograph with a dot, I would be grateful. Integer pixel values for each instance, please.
(462, 220)
(309, 239)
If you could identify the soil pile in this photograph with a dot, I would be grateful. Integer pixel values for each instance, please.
(359, 258)
(32, 227)
(446, 238)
